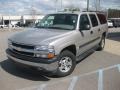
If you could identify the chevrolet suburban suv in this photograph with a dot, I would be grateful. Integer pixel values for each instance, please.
(58, 41)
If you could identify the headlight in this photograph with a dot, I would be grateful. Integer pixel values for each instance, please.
(44, 51)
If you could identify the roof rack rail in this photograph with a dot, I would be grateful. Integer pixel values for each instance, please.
(92, 11)
(82, 10)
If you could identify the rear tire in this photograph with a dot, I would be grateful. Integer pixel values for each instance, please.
(101, 44)
(66, 64)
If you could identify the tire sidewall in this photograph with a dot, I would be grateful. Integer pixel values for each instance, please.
(103, 39)
(69, 54)
(100, 44)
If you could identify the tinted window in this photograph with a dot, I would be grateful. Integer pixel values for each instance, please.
(93, 20)
(84, 21)
(102, 18)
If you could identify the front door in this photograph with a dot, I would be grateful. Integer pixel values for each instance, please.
(85, 32)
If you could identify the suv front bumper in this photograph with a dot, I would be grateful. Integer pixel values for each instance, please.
(39, 63)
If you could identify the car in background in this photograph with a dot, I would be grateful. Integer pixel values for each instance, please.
(116, 23)
(2, 26)
(11, 26)
(110, 23)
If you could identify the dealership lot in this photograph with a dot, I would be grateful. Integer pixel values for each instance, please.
(99, 71)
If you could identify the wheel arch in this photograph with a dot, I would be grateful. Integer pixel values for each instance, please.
(104, 34)
(71, 48)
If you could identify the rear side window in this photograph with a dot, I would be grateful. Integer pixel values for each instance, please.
(102, 18)
(93, 20)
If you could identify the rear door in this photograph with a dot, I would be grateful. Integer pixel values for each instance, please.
(95, 30)
(103, 23)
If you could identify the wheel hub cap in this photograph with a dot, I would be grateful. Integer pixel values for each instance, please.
(65, 64)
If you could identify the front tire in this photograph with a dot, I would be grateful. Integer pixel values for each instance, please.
(66, 64)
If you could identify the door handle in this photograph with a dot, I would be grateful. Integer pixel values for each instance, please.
(98, 30)
(91, 32)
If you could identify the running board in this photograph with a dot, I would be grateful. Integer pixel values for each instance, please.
(85, 54)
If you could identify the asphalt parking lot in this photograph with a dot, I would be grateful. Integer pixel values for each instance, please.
(98, 71)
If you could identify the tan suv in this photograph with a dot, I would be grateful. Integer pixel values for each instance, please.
(59, 41)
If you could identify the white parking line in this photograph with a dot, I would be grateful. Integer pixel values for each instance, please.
(73, 82)
(30, 88)
(118, 67)
(100, 80)
(111, 67)
(39, 87)
(75, 78)
(42, 87)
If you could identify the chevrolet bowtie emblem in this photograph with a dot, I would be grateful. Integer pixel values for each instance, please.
(19, 49)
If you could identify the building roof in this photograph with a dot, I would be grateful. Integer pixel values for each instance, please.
(18, 17)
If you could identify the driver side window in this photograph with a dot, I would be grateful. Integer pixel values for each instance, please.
(84, 22)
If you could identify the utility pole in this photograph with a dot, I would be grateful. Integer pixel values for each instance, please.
(61, 4)
(88, 5)
(56, 9)
(9, 20)
(97, 5)
(3, 21)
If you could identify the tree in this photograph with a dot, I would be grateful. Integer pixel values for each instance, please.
(113, 13)
(33, 13)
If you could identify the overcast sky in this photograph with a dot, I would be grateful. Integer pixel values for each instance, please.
(47, 6)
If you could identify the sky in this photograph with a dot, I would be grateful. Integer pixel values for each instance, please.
(20, 7)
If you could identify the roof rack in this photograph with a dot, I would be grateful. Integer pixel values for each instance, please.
(81, 10)
(105, 12)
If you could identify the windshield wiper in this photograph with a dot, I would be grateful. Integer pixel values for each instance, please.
(40, 27)
(58, 28)
(53, 28)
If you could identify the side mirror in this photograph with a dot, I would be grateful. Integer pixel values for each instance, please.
(87, 27)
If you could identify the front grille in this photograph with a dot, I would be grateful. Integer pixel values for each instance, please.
(23, 47)
(23, 53)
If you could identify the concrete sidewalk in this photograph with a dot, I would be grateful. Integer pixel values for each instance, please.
(113, 41)
(112, 47)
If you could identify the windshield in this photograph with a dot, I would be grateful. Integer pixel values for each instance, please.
(59, 21)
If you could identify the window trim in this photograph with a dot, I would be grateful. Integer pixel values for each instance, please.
(80, 19)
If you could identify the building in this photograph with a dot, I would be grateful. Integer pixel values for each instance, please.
(25, 19)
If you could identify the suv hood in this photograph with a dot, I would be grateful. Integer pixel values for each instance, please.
(38, 36)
